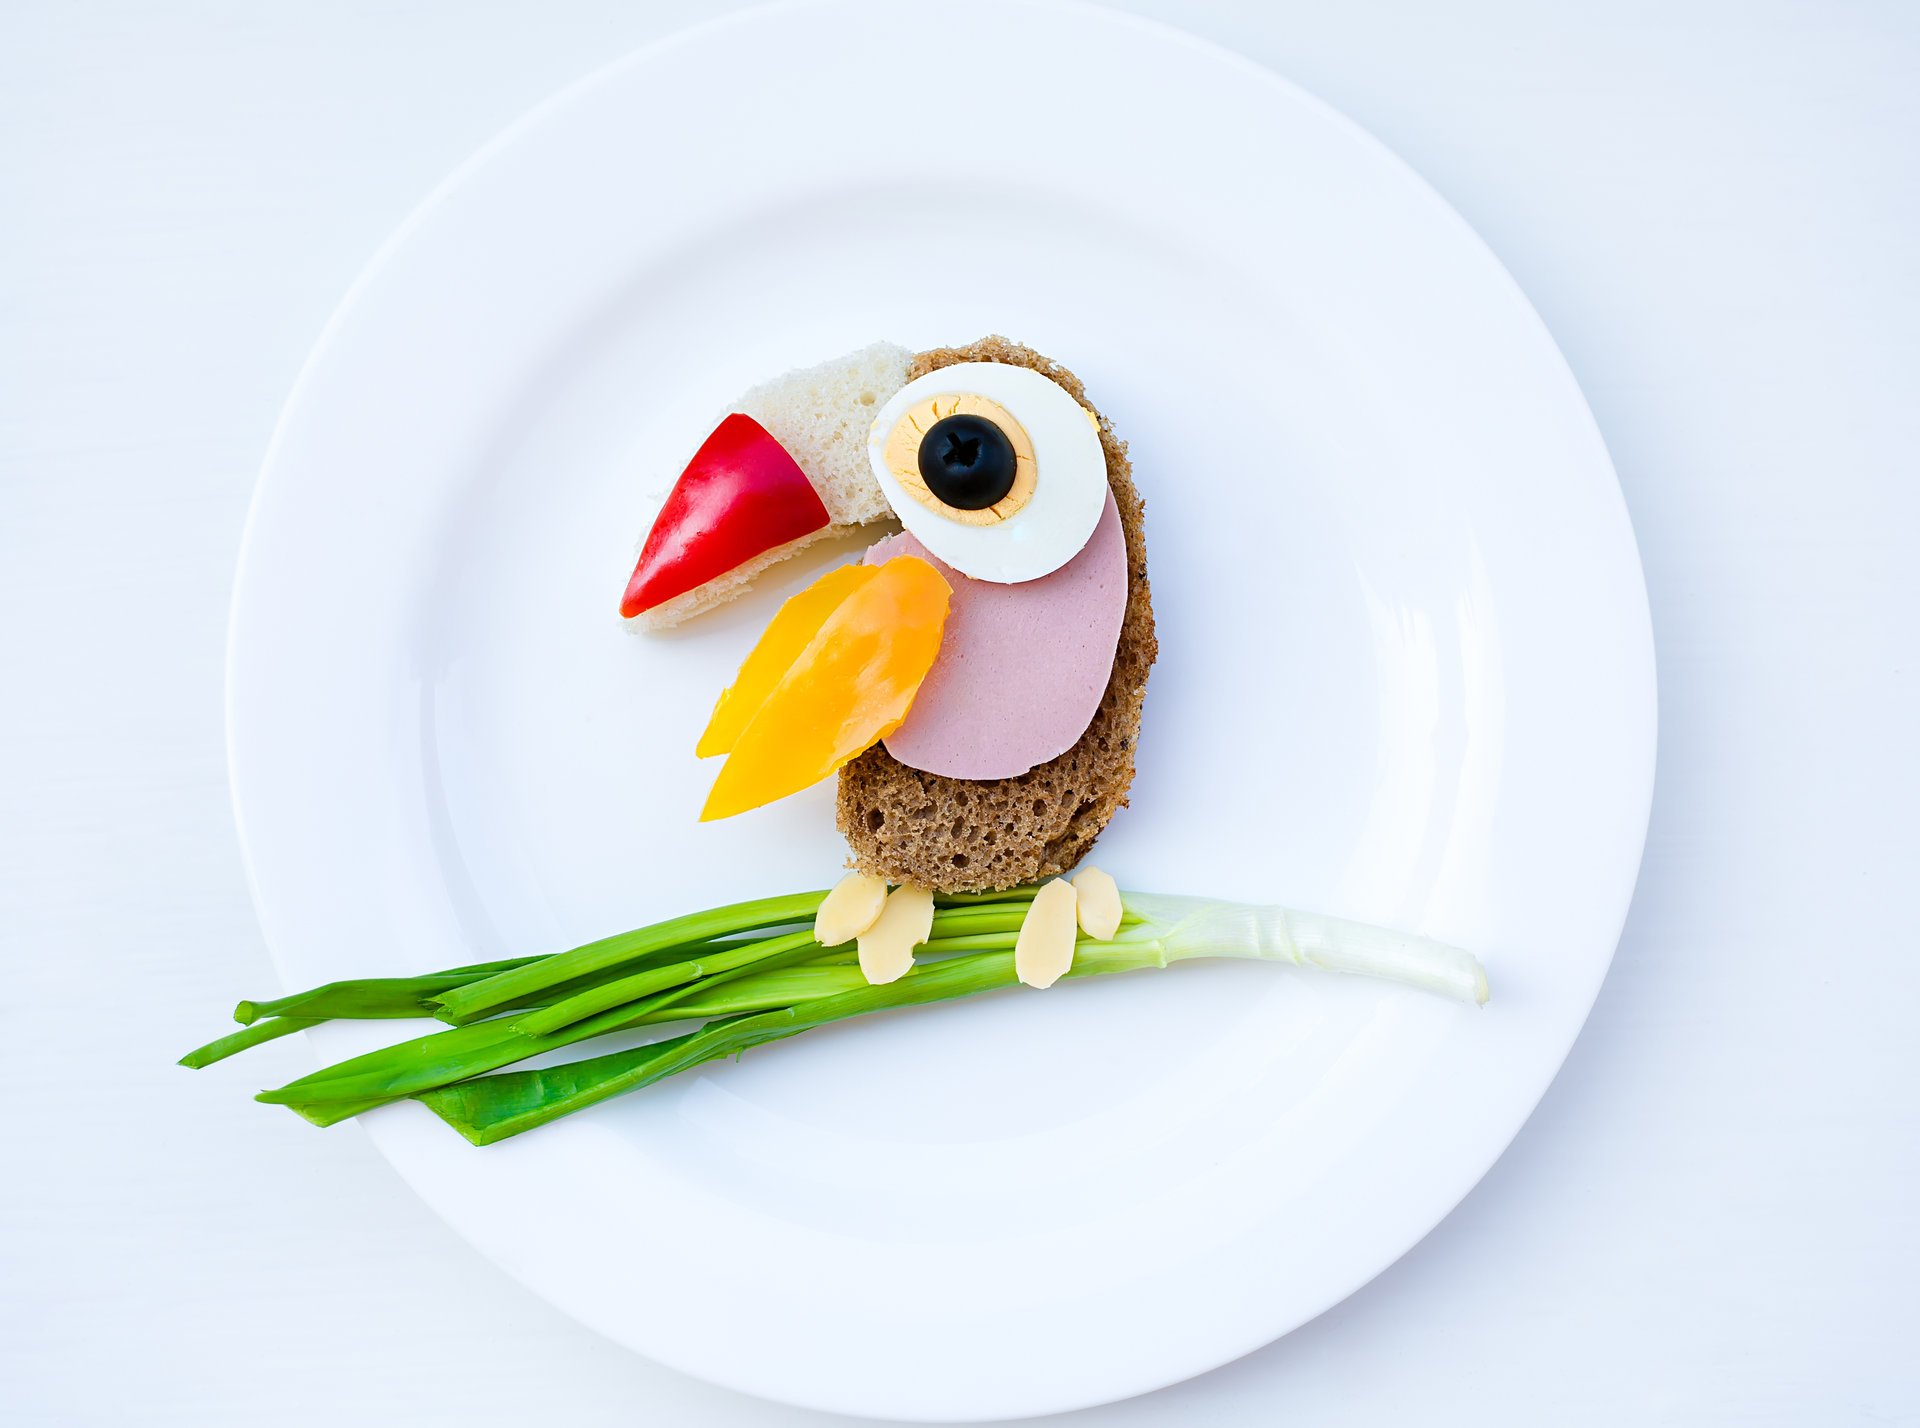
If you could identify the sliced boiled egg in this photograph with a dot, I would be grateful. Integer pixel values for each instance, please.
(995, 469)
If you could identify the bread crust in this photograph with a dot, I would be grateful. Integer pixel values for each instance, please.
(966, 835)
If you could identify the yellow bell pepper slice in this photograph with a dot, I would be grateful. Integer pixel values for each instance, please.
(849, 688)
(788, 634)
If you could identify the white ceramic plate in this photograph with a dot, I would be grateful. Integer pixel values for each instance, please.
(1405, 675)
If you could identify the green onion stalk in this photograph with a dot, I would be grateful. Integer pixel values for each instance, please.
(738, 977)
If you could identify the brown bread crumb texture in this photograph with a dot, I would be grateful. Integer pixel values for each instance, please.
(963, 835)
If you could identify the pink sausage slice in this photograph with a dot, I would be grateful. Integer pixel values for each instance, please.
(1021, 667)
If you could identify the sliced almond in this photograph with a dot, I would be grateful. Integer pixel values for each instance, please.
(1098, 903)
(850, 909)
(886, 948)
(1043, 951)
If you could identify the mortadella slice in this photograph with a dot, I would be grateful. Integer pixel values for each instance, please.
(1021, 667)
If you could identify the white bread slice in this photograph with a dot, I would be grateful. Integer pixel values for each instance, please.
(821, 415)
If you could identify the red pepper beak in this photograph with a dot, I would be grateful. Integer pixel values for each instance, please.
(741, 499)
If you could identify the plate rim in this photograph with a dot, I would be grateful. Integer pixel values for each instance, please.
(1639, 616)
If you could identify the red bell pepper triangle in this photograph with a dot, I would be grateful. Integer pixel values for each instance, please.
(741, 496)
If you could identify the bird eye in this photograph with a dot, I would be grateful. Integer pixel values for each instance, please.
(995, 469)
(968, 462)
(963, 457)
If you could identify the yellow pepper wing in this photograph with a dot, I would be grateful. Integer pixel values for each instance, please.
(846, 690)
(788, 634)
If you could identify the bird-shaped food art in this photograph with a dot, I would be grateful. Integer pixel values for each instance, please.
(975, 682)
(977, 679)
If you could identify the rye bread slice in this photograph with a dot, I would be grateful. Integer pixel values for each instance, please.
(963, 835)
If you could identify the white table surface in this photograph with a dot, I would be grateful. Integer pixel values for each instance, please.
(1715, 1214)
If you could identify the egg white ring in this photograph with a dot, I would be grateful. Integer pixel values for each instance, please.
(1070, 475)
